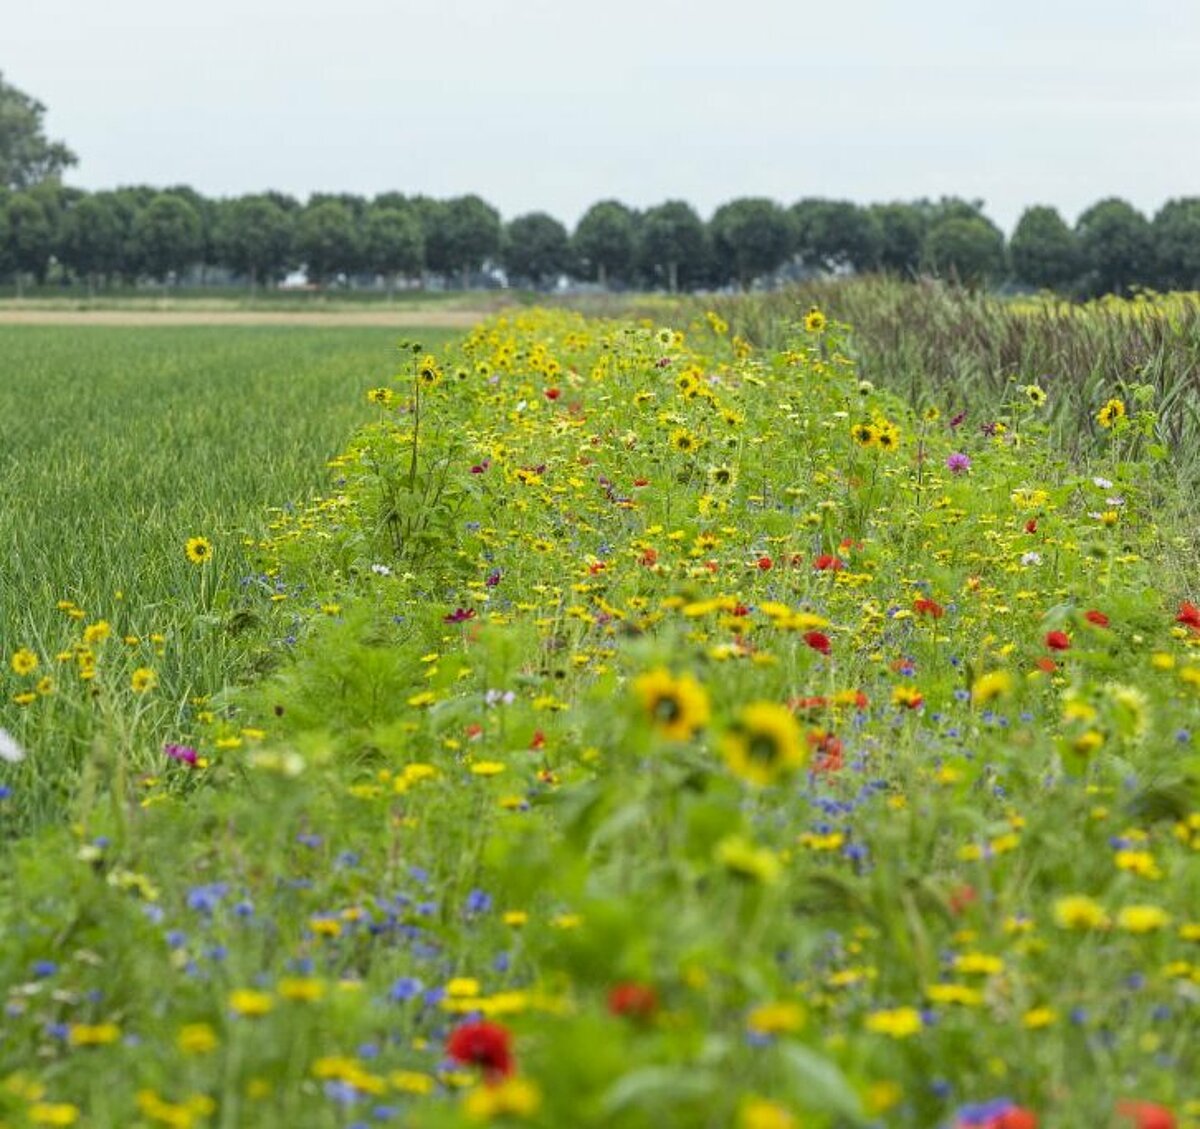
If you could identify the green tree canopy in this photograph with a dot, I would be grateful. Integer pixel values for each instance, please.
(605, 242)
(30, 240)
(1117, 246)
(470, 234)
(751, 236)
(394, 243)
(26, 156)
(901, 233)
(1044, 251)
(537, 248)
(169, 235)
(673, 244)
(1176, 232)
(835, 234)
(93, 237)
(327, 239)
(253, 236)
(968, 249)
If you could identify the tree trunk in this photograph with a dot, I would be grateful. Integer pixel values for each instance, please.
(673, 277)
(602, 276)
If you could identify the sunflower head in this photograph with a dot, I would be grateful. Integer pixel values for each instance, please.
(198, 549)
(764, 744)
(815, 321)
(676, 707)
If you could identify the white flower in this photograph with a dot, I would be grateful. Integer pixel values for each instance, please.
(381, 570)
(1103, 483)
(10, 751)
(1031, 559)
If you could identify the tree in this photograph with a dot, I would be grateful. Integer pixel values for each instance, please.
(751, 237)
(393, 241)
(93, 237)
(30, 236)
(169, 235)
(26, 156)
(605, 242)
(969, 250)
(1043, 250)
(673, 244)
(901, 233)
(327, 239)
(253, 237)
(1176, 232)
(837, 234)
(1117, 246)
(537, 248)
(470, 234)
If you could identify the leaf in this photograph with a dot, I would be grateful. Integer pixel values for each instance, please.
(820, 1084)
(657, 1086)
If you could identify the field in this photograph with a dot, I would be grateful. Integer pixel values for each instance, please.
(594, 722)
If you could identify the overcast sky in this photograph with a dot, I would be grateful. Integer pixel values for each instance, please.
(553, 104)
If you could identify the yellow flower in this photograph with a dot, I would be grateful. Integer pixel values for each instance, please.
(250, 1004)
(677, 707)
(1142, 919)
(764, 744)
(776, 1018)
(758, 1113)
(982, 963)
(954, 994)
(53, 1113)
(814, 321)
(487, 768)
(93, 1034)
(865, 434)
(1039, 1017)
(1108, 415)
(143, 680)
(514, 1097)
(411, 1082)
(198, 549)
(24, 662)
(1078, 911)
(97, 632)
(744, 859)
(988, 687)
(301, 989)
(380, 396)
(899, 1023)
(196, 1039)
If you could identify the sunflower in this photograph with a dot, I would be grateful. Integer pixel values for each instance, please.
(198, 549)
(677, 707)
(764, 744)
(428, 372)
(1035, 394)
(721, 475)
(380, 396)
(814, 321)
(865, 434)
(24, 662)
(143, 680)
(684, 441)
(1108, 415)
(888, 437)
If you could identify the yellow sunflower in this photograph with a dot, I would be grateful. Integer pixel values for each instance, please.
(764, 744)
(677, 707)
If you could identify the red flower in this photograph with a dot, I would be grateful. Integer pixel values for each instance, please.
(1058, 641)
(1189, 614)
(460, 615)
(931, 608)
(637, 1001)
(828, 749)
(1031, 525)
(818, 641)
(961, 897)
(1046, 665)
(539, 740)
(1098, 618)
(552, 393)
(826, 562)
(482, 1044)
(1016, 1118)
(764, 563)
(1146, 1115)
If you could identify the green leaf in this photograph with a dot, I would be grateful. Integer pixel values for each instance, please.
(820, 1084)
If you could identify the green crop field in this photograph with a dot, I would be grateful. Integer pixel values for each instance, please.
(604, 723)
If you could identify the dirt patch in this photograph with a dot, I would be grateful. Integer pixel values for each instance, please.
(349, 319)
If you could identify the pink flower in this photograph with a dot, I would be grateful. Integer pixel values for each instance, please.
(958, 463)
(182, 753)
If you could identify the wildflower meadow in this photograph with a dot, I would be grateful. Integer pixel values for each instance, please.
(629, 725)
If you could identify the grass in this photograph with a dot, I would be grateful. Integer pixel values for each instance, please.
(118, 445)
(657, 730)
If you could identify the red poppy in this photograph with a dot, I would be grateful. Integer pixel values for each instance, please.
(764, 563)
(1058, 641)
(649, 558)
(1016, 1118)
(806, 704)
(459, 615)
(1047, 665)
(539, 740)
(931, 608)
(818, 641)
(828, 750)
(1189, 615)
(552, 393)
(636, 1001)
(483, 1044)
(826, 562)
(1095, 617)
(1146, 1115)
(1031, 525)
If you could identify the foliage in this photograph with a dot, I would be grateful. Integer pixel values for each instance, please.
(169, 236)
(605, 242)
(1043, 250)
(1117, 246)
(751, 237)
(536, 248)
(673, 244)
(966, 249)
(27, 157)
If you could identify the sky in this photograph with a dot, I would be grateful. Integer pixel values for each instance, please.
(553, 104)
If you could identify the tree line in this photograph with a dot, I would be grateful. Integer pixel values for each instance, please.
(125, 235)
(118, 237)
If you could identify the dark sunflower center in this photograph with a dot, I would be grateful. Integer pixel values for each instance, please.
(762, 748)
(668, 710)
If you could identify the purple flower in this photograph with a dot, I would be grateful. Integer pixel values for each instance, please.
(185, 754)
(958, 463)
(459, 615)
